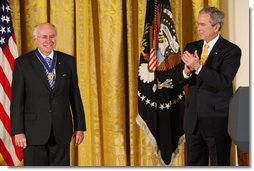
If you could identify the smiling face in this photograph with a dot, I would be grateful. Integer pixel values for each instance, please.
(45, 38)
(206, 30)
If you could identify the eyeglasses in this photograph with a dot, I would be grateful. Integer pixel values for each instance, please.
(46, 37)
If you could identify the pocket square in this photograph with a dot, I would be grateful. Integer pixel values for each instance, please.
(64, 75)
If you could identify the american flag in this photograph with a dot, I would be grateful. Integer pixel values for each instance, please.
(10, 153)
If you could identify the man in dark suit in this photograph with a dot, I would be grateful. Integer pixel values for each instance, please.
(44, 88)
(210, 66)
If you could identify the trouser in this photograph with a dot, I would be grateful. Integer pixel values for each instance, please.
(200, 147)
(49, 154)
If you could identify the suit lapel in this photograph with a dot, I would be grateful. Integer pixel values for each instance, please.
(39, 69)
(215, 51)
(199, 51)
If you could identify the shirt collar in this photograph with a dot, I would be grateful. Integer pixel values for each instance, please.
(211, 43)
(50, 55)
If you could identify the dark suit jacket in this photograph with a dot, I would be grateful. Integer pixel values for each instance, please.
(35, 108)
(209, 92)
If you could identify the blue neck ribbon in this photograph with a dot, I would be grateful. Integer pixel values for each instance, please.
(48, 68)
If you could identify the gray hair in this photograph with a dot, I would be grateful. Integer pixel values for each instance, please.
(36, 29)
(216, 15)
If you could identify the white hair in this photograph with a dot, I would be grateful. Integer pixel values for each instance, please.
(36, 28)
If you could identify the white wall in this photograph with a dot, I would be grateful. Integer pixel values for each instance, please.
(237, 31)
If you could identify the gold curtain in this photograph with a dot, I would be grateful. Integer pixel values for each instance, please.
(105, 37)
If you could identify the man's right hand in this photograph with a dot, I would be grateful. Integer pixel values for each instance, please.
(20, 140)
(191, 60)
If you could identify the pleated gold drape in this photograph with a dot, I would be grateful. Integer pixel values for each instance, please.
(105, 37)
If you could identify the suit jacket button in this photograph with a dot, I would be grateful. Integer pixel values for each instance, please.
(50, 111)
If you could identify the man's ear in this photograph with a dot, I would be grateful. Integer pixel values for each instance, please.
(217, 27)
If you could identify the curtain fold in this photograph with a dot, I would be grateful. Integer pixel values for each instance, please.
(83, 67)
(61, 13)
(134, 16)
(105, 36)
(177, 10)
(197, 5)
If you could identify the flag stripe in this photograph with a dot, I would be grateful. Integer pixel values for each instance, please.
(5, 101)
(5, 83)
(18, 150)
(6, 155)
(153, 62)
(5, 66)
(9, 56)
(8, 143)
(12, 46)
(5, 118)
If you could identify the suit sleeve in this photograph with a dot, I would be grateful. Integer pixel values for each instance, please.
(223, 77)
(16, 109)
(76, 102)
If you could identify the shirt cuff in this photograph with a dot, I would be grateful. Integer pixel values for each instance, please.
(186, 76)
(197, 72)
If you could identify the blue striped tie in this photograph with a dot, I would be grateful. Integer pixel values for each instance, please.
(49, 62)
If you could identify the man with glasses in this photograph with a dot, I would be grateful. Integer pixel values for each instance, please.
(46, 104)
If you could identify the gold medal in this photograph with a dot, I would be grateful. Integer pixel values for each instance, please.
(51, 76)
